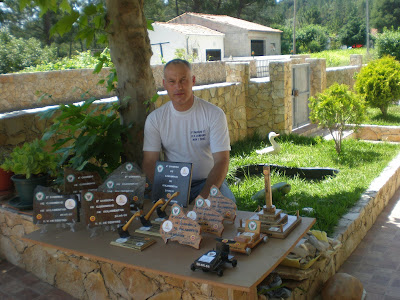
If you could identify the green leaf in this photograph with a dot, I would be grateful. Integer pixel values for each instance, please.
(90, 10)
(64, 6)
(149, 25)
(98, 67)
(64, 25)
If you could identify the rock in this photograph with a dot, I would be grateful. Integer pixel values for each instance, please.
(342, 286)
(321, 246)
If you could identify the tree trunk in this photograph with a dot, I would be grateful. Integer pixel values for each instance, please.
(131, 52)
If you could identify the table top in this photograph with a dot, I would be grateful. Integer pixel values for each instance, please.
(174, 259)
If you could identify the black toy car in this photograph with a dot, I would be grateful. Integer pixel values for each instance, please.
(214, 260)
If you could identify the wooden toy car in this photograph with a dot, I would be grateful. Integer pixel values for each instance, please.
(248, 239)
(214, 260)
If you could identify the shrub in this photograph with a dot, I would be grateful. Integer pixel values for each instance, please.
(312, 38)
(334, 108)
(378, 83)
(388, 43)
(17, 53)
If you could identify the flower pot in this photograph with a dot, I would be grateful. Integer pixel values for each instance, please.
(25, 187)
(5, 180)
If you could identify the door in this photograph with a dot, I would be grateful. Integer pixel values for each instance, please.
(300, 94)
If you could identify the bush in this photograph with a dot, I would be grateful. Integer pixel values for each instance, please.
(378, 83)
(334, 108)
(17, 54)
(312, 38)
(388, 43)
(82, 60)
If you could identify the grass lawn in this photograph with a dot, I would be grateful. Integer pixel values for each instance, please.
(392, 119)
(337, 58)
(359, 163)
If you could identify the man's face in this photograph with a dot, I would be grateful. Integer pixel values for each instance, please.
(178, 81)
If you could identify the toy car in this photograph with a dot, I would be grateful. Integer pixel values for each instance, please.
(250, 238)
(214, 260)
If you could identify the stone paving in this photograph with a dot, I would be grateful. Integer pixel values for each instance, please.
(18, 284)
(376, 260)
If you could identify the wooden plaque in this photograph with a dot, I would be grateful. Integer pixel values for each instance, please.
(77, 181)
(209, 219)
(102, 208)
(181, 228)
(171, 177)
(127, 179)
(225, 206)
(134, 242)
(52, 208)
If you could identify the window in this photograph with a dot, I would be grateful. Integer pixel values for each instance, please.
(213, 54)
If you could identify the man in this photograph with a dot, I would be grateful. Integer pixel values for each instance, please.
(188, 129)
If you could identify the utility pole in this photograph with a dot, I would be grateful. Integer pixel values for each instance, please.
(294, 27)
(367, 12)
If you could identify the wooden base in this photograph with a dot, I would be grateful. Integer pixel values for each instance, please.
(153, 231)
(280, 231)
(135, 242)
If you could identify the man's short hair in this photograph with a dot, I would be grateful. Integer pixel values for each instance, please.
(178, 61)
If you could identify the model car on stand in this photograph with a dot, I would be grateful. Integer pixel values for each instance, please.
(214, 260)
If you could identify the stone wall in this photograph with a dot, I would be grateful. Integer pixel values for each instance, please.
(251, 105)
(87, 278)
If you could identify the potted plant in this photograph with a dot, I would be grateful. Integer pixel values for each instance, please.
(5, 176)
(31, 165)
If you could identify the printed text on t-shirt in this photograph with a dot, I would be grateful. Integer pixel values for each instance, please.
(198, 135)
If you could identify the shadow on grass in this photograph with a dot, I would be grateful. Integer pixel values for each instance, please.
(352, 157)
(389, 118)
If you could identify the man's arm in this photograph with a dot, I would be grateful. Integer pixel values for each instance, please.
(149, 163)
(217, 174)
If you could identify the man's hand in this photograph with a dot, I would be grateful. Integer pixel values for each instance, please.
(217, 174)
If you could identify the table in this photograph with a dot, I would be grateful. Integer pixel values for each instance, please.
(173, 259)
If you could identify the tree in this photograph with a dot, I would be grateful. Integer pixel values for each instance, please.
(124, 25)
(388, 43)
(334, 108)
(312, 38)
(353, 32)
(378, 83)
(385, 13)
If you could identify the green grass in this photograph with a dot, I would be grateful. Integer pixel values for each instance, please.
(359, 163)
(338, 58)
(392, 119)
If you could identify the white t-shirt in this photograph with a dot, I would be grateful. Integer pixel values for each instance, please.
(189, 136)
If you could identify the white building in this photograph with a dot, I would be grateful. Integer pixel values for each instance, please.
(242, 38)
(197, 41)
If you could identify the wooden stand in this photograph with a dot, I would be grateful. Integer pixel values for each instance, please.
(134, 242)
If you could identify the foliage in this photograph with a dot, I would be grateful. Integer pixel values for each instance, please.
(17, 53)
(378, 83)
(337, 58)
(385, 13)
(30, 159)
(330, 198)
(334, 108)
(354, 32)
(181, 53)
(311, 38)
(388, 43)
(87, 137)
(81, 60)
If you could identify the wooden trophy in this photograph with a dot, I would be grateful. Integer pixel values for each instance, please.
(274, 222)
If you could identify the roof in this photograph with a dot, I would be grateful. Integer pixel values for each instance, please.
(190, 29)
(232, 22)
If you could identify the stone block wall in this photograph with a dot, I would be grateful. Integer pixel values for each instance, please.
(88, 278)
(256, 105)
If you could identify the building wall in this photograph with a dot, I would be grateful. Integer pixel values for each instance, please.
(161, 34)
(272, 41)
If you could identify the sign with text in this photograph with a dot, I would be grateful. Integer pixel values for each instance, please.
(103, 208)
(76, 181)
(181, 228)
(52, 208)
(128, 179)
(171, 177)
